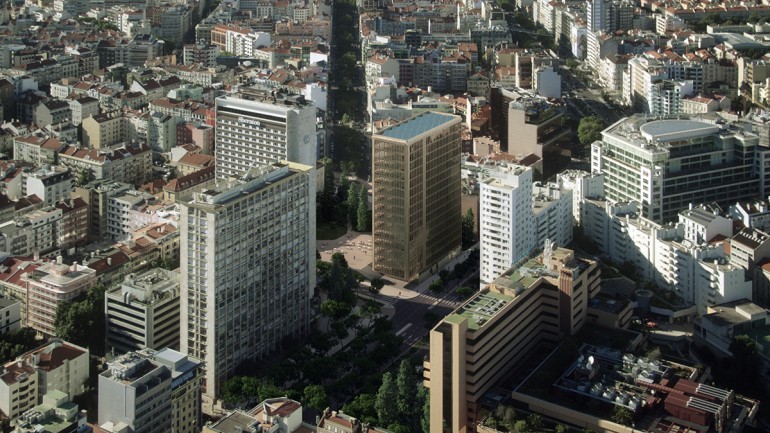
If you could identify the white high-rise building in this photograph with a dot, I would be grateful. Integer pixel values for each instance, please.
(261, 130)
(506, 227)
(517, 216)
(249, 271)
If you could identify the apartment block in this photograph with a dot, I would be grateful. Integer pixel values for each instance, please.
(250, 249)
(416, 195)
(73, 231)
(260, 129)
(35, 232)
(51, 184)
(482, 341)
(686, 257)
(61, 366)
(517, 216)
(50, 284)
(55, 367)
(143, 312)
(536, 126)
(104, 130)
(18, 389)
(122, 163)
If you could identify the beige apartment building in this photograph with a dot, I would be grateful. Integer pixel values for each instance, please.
(416, 195)
(51, 284)
(481, 342)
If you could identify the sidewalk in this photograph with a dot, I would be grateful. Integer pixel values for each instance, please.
(357, 248)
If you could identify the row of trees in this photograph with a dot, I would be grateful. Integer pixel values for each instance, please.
(343, 201)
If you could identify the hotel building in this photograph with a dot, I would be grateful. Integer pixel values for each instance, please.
(260, 129)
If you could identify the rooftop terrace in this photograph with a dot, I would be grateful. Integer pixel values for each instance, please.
(480, 309)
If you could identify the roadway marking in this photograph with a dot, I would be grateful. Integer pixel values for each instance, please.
(402, 330)
(433, 305)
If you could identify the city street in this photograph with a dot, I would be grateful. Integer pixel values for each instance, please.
(411, 302)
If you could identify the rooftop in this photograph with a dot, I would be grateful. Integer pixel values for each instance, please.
(479, 309)
(676, 129)
(418, 125)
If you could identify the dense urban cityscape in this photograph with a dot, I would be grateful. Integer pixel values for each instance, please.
(382, 216)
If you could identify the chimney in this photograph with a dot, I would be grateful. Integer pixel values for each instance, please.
(109, 261)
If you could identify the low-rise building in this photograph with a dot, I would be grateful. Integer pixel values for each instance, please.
(61, 366)
(56, 414)
(18, 388)
(279, 415)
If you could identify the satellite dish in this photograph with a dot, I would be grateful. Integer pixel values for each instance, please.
(590, 360)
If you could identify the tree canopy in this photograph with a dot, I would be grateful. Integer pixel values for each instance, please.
(82, 322)
(590, 130)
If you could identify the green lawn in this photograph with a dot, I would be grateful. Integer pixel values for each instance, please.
(328, 231)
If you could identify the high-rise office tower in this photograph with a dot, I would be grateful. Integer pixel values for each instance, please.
(249, 268)
(261, 129)
(416, 196)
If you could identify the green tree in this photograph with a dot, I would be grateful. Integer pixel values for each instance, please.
(590, 130)
(398, 428)
(561, 428)
(386, 400)
(82, 321)
(84, 176)
(464, 292)
(436, 285)
(14, 344)
(622, 415)
(314, 396)
(406, 385)
(353, 203)
(423, 395)
(535, 422)
(376, 285)
(468, 230)
(232, 390)
(362, 407)
(362, 220)
(745, 363)
(521, 426)
(326, 198)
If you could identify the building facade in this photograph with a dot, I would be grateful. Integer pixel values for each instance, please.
(51, 284)
(143, 312)
(667, 164)
(416, 195)
(135, 395)
(474, 347)
(262, 131)
(250, 253)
